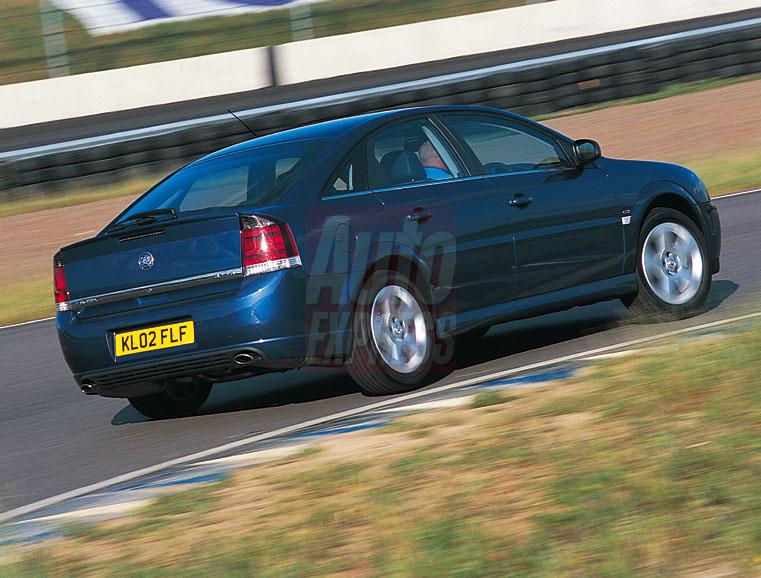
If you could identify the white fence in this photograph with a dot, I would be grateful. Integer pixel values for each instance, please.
(244, 70)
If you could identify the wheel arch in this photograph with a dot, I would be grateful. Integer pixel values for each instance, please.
(408, 264)
(661, 194)
(671, 199)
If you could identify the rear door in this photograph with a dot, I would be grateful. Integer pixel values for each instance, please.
(454, 219)
(566, 220)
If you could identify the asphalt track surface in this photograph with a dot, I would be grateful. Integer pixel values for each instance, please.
(66, 130)
(54, 439)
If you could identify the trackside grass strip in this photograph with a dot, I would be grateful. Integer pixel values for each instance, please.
(27, 300)
(644, 466)
(726, 174)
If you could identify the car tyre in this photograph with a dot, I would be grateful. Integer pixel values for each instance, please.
(672, 267)
(394, 336)
(181, 398)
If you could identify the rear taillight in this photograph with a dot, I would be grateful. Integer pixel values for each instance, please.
(266, 246)
(60, 288)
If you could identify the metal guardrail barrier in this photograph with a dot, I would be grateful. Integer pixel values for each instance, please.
(533, 87)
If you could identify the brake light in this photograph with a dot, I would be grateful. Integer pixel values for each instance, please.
(266, 246)
(60, 287)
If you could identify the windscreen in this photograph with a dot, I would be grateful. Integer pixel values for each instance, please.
(249, 178)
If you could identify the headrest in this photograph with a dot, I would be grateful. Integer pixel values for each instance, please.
(403, 167)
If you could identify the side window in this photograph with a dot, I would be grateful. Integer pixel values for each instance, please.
(409, 152)
(505, 147)
(284, 166)
(350, 177)
(225, 188)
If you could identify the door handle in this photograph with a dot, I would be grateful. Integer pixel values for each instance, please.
(520, 200)
(419, 216)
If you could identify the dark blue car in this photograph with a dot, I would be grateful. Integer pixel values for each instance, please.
(378, 242)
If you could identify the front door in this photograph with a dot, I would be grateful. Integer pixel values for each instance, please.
(566, 220)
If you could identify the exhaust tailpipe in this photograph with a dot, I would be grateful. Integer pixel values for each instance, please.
(245, 357)
(88, 388)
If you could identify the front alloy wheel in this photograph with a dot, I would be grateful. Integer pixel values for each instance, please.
(672, 263)
(671, 267)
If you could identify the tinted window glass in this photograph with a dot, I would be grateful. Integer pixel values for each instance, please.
(409, 152)
(249, 178)
(502, 146)
(350, 177)
(222, 188)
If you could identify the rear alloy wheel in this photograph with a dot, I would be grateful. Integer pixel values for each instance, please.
(180, 399)
(394, 336)
(671, 266)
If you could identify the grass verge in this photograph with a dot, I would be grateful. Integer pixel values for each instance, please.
(27, 300)
(729, 173)
(639, 467)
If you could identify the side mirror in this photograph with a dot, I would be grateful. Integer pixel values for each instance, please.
(587, 151)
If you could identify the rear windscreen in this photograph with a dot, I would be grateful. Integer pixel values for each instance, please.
(250, 178)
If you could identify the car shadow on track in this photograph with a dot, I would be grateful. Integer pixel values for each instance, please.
(520, 336)
(274, 390)
(534, 333)
(721, 290)
(316, 384)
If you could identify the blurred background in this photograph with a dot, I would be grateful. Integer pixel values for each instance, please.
(650, 467)
(78, 77)
(39, 38)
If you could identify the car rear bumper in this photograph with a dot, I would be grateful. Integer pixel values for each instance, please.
(264, 315)
(144, 378)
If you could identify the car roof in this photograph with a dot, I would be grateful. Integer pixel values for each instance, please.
(335, 129)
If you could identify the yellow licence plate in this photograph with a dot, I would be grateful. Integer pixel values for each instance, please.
(161, 337)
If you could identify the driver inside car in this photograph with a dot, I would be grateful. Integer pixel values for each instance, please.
(435, 169)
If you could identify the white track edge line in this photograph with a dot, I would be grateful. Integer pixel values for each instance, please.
(718, 197)
(76, 493)
(26, 323)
